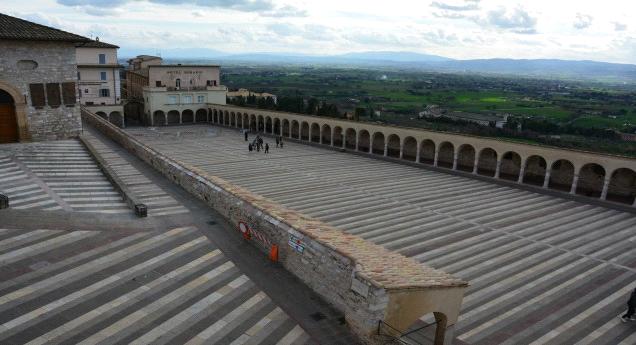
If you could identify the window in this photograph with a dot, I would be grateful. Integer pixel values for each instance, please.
(177, 83)
(37, 95)
(104, 93)
(172, 99)
(102, 75)
(158, 83)
(201, 99)
(102, 59)
(85, 90)
(53, 94)
(187, 99)
(78, 76)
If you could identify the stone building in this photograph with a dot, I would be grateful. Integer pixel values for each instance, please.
(245, 93)
(38, 74)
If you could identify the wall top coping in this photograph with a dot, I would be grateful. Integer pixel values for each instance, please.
(376, 264)
(502, 140)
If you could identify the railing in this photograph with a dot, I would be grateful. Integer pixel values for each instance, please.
(396, 337)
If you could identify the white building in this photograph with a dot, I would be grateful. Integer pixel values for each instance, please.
(99, 81)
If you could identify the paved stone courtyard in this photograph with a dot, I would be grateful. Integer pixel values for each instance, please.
(543, 270)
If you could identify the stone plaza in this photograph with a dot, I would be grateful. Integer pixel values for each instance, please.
(542, 269)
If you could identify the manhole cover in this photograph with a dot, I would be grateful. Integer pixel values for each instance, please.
(317, 316)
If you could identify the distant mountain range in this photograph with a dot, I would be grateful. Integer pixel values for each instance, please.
(549, 68)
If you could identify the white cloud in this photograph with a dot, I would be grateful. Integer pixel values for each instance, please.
(454, 28)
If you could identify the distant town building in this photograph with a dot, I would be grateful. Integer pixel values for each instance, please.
(137, 75)
(179, 88)
(434, 111)
(247, 93)
(431, 110)
(38, 76)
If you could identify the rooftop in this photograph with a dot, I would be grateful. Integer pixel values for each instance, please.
(96, 44)
(12, 28)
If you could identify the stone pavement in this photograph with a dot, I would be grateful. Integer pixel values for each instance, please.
(543, 270)
(175, 278)
(56, 175)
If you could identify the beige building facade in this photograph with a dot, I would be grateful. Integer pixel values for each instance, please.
(180, 93)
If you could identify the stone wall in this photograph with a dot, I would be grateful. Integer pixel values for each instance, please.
(55, 64)
(365, 281)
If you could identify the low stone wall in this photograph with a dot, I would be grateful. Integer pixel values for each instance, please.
(367, 282)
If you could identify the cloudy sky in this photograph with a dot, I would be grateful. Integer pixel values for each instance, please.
(461, 29)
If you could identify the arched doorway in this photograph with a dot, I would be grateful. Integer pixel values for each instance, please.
(378, 143)
(562, 175)
(174, 118)
(8, 121)
(446, 155)
(315, 133)
(393, 146)
(295, 130)
(286, 128)
(622, 187)
(510, 166)
(116, 119)
(268, 125)
(409, 149)
(427, 152)
(159, 118)
(201, 115)
(487, 163)
(466, 158)
(187, 116)
(326, 135)
(535, 171)
(591, 180)
(350, 138)
(304, 131)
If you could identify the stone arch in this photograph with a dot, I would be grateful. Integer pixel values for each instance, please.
(116, 119)
(622, 186)
(15, 103)
(446, 155)
(325, 134)
(409, 149)
(591, 180)
(510, 166)
(245, 122)
(534, 172)
(268, 125)
(315, 133)
(102, 114)
(562, 175)
(260, 123)
(295, 129)
(466, 158)
(233, 120)
(304, 131)
(337, 136)
(364, 140)
(226, 119)
(201, 115)
(253, 123)
(174, 117)
(427, 151)
(350, 138)
(378, 142)
(276, 129)
(187, 116)
(215, 116)
(286, 128)
(159, 118)
(487, 162)
(393, 146)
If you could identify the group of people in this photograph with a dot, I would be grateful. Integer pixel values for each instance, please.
(259, 144)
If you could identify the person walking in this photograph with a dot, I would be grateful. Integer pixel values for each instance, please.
(249, 147)
(245, 135)
(277, 141)
(631, 308)
(266, 148)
